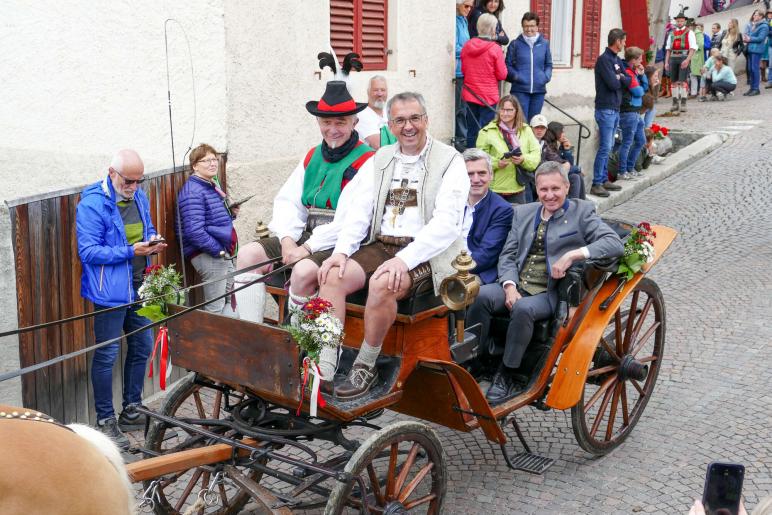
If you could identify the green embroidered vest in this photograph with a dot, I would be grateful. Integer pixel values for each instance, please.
(322, 180)
(534, 276)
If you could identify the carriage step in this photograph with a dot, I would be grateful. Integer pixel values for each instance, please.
(531, 463)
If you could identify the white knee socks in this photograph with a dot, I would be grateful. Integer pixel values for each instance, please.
(367, 354)
(295, 305)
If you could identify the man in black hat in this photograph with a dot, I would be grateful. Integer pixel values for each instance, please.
(679, 48)
(308, 209)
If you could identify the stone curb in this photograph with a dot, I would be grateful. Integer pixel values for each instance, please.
(656, 173)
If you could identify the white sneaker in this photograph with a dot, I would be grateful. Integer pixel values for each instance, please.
(657, 160)
(636, 174)
(720, 96)
(626, 177)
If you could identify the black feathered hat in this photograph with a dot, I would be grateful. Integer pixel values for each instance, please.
(336, 101)
(681, 13)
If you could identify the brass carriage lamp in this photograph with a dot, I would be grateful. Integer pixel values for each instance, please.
(460, 289)
(261, 231)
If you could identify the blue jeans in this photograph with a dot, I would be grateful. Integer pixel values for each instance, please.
(460, 129)
(633, 140)
(607, 120)
(106, 327)
(477, 117)
(754, 64)
(648, 117)
(531, 103)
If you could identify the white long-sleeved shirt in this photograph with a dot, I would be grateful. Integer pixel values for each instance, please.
(430, 239)
(290, 215)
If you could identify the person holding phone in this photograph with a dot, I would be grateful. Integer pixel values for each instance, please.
(115, 239)
(514, 150)
(208, 237)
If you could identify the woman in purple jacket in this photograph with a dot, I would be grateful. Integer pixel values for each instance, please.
(207, 234)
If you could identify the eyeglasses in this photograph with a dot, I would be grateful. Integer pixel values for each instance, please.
(208, 161)
(414, 120)
(126, 181)
(507, 110)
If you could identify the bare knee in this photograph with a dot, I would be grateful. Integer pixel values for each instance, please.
(378, 290)
(303, 279)
(252, 254)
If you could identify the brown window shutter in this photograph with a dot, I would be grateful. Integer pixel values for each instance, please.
(591, 36)
(360, 26)
(543, 9)
(374, 34)
(342, 26)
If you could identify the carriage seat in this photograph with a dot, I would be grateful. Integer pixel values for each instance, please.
(423, 299)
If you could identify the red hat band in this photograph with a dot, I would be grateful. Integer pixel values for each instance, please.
(343, 107)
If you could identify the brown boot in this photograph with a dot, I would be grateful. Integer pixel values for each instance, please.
(359, 381)
(610, 186)
(599, 191)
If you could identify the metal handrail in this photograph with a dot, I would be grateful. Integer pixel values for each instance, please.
(582, 128)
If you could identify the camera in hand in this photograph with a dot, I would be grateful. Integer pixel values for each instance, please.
(512, 153)
(723, 488)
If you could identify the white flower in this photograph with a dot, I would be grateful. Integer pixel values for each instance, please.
(648, 251)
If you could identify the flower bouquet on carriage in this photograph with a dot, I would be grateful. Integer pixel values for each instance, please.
(160, 287)
(315, 327)
(639, 250)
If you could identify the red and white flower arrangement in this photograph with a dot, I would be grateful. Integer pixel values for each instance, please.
(639, 250)
(660, 131)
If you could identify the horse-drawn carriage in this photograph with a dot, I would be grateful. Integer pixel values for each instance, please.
(229, 431)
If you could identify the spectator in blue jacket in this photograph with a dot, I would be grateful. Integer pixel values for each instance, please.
(529, 66)
(114, 232)
(487, 216)
(610, 79)
(630, 119)
(208, 237)
(756, 42)
(462, 36)
(494, 7)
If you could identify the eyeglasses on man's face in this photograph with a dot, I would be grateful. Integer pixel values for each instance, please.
(128, 182)
(414, 120)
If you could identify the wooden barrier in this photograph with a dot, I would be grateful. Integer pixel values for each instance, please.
(48, 272)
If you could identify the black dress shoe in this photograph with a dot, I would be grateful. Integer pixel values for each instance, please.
(754, 92)
(500, 388)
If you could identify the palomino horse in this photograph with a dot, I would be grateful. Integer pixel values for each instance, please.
(49, 468)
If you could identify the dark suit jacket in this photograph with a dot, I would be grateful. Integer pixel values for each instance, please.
(491, 222)
(573, 226)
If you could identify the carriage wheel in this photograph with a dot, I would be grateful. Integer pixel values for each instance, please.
(402, 469)
(623, 373)
(179, 491)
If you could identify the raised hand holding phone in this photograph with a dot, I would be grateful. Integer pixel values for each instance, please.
(723, 489)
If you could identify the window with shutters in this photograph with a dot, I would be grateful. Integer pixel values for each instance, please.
(556, 23)
(591, 36)
(360, 26)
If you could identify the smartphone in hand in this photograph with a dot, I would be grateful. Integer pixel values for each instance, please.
(156, 241)
(723, 488)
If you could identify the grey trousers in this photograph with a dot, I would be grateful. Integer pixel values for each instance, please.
(209, 268)
(526, 311)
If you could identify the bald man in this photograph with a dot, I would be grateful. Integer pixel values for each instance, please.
(115, 241)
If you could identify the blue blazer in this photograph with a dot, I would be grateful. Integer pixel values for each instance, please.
(491, 222)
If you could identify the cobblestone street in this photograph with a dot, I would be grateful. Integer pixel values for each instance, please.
(713, 399)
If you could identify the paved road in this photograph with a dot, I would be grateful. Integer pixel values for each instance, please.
(713, 400)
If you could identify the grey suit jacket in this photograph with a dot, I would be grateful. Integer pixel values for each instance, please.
(573, 226)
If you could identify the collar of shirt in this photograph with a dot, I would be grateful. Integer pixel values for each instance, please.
(412, 159)
(472, 206)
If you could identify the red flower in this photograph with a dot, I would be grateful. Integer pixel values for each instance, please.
(152, 269)
(655, 127)
(664, 131)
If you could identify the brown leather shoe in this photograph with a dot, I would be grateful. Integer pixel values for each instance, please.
(611, 186)
(598, 191)
(359, 381)
(326, 387)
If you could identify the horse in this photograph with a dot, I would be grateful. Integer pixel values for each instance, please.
(47, 467)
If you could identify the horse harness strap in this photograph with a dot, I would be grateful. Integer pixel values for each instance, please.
(33, 416)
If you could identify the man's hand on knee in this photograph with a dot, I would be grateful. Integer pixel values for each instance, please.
(397, 271)
(291, 252)
(511, 295)
(336, 260)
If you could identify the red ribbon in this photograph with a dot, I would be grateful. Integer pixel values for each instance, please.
(320, 399)
(163, 339)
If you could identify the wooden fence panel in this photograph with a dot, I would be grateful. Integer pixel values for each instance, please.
(48, 276)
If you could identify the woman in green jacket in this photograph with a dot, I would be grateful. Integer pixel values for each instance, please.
(509, 134)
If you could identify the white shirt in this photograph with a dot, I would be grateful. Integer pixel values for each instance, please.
(290, 215)
(690, 38)
(370, 122)
(469, 217)
(429, 240)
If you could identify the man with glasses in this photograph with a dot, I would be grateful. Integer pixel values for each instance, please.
(115, 239)
(411, 219)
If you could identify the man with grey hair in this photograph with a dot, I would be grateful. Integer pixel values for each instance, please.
(115, 240)
(372, 126)
(411, 219)
(487, 216)
(545, 240)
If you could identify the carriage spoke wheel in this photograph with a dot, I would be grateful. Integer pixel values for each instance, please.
(179, 491)
(623, 372)
(401, 469)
